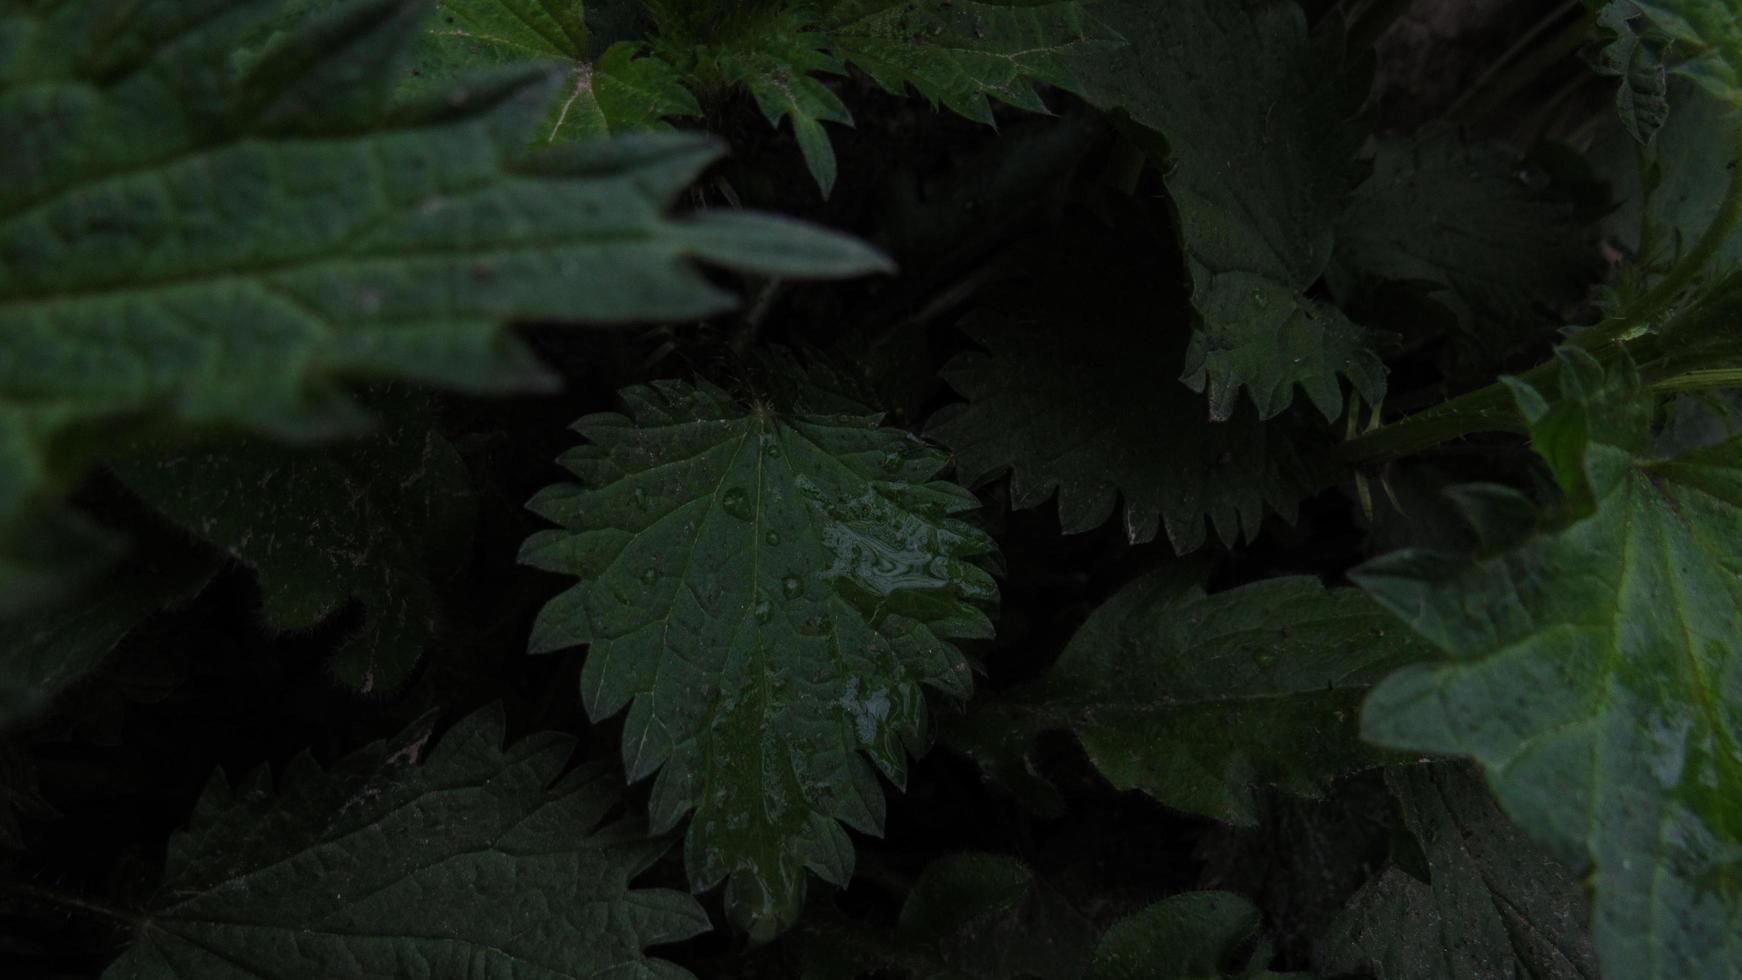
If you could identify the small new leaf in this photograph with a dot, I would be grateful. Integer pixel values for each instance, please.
(478, 860)
(1195, 699)
(770, 594)
(1256, 116)
(1592, 670)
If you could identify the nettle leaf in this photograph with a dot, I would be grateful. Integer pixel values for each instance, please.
(479, 860)
(620, 90)
(379, 520)
(971, 915)
(1671, 197)
(771, 593)
(1195, 699)
(966, 53)
(1634, 54)
(278, 228)
(960, 55)
(1710, 33)
(1502, 252)
(1492, 905)
(1075, 395)
(51, 647)
(1593, 670)
(1257, 116)
(1194, 936)
(778, 65)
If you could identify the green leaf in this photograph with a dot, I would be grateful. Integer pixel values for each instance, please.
(777, 65)
(1634, 54)
(1194, 699)
(1476, 224)
(964, 53)
(48, 649)
(772, 592)
(1593, 670)
(1710, 33)
(619, 91)
(376, 520)
(278, 228)
(1493, 904)
(478, 860)
(1194, 936)
(1257, 118)
(1075, 395)
(971, 915)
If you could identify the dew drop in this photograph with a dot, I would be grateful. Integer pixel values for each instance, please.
(891, 462)
(772, 537)
(649, 577)
(640, 498)
(1264, 659)
(793, 586)
(762, 610)
(737, 503)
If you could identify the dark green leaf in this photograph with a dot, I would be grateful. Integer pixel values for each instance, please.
(210, 217)
(1593, 671)
(1635, 54)
(1195, 936)
(1196, 698)
(371, 520)
(479, 859)
(771, 592)
(1493, 905)
(1257, 115)
(1077, 396)
(1475, 224)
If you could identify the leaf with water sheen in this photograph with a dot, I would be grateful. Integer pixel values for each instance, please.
(479, 860)
(1595, 671)
(282, 226)
(1709, 34)
(1257, 116)
(1195, 699)
(1491, 904)
(768, 594)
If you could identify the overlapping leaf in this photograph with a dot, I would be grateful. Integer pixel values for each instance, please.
(1491, 903)
(378, 520)
(1256, 113)
(1593, 670)
(1710, 33)
(618, 89)
(1476, 225)
(969, 916)
(479, 860)
(1634, 54)
(1076, 395)
(1194, 936)
(1195, 699)
(768, 593)
(211, 216)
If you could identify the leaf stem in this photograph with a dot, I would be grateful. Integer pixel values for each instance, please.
(1489, 409)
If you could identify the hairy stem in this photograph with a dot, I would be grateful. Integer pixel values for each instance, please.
(72, 903)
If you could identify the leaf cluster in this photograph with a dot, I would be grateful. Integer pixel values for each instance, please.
(1181, 503)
